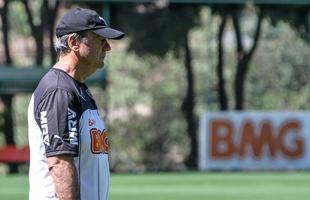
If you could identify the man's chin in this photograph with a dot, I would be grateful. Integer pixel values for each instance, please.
(101, 66)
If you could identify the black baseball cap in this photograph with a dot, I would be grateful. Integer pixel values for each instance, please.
(82, 19)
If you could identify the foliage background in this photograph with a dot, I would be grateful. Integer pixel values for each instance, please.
(142, 103)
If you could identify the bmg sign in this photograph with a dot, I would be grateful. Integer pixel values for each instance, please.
(249, 140)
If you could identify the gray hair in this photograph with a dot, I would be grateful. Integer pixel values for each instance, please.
(61, 44)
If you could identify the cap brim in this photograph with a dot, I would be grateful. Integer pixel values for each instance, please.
(109, 33)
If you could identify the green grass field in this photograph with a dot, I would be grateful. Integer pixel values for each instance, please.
(189, 186)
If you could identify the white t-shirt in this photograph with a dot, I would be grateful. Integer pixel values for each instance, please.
(63, 119)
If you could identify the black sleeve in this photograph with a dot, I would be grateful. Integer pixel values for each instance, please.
(59, 113)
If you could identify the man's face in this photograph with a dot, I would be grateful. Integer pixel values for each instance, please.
(93, 50)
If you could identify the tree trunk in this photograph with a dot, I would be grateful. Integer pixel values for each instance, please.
(52, 13)
(8, 126)
(7, 99)
(239, 84)
(220, 67)
(37, 31)
(243, 59)
(188, 109)
(5, 30)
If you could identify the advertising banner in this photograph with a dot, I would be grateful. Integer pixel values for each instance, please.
(254, 141)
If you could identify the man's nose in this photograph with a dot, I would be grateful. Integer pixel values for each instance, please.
(106, 46)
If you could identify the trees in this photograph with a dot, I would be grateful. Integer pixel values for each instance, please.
(166, 28)
(243, 56)
(47, 15)
(173, 71)
(47, 12)
(294, 15)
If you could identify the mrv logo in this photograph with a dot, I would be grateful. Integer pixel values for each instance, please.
(72, 126)
(44, 127)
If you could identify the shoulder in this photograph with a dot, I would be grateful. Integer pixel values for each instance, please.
(56, 79)
(55, 86)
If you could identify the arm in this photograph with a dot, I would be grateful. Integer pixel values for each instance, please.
(64, 174)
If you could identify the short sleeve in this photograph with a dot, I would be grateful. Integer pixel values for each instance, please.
(58, 114)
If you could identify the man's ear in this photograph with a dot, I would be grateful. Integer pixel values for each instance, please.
(73, 43)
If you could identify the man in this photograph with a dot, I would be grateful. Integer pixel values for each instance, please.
(67, 137)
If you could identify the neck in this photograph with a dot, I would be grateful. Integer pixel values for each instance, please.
(71, 66)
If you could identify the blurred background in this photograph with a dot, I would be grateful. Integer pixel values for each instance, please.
(182, 65)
